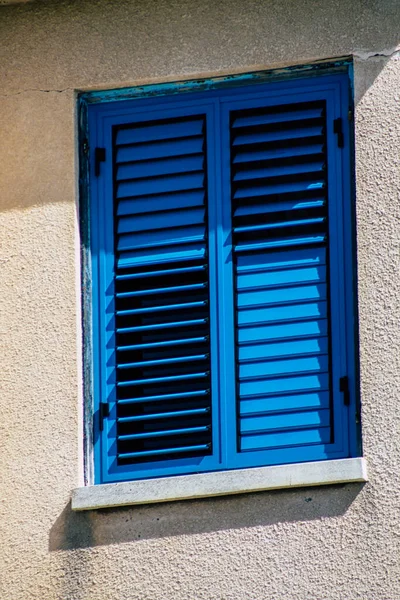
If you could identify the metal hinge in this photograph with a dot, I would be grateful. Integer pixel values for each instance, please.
(345, 389)
(85, 146)
(99, 156)
(338, 129)
(104, 412)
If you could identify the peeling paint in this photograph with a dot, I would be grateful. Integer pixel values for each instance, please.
(178, 87)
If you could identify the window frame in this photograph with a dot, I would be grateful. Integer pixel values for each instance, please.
(167, 96)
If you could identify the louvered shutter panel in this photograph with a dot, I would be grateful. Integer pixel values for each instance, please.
(161, 291)
(280, 254)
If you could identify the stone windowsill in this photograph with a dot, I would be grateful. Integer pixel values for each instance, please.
(220, 483)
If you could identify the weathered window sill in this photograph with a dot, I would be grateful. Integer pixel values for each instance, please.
(219, 483)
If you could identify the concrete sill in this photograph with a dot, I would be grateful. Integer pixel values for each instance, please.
(221, 483)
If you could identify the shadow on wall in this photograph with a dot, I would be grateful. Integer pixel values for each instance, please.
(75, 533)
(40, 125)
(78, 530)
(38, 99)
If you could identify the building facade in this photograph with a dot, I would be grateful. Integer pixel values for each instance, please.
(338, 541)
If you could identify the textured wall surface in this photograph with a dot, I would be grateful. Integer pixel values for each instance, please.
(336, 543)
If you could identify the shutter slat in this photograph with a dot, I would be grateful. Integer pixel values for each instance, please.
(293, 348)
(162, 149)
(301, 329)
(272, 368)
(163, 452)
(165, 379)
(164, 397)
(165, 290)
(280, 236)
(289, 439)
(163, 344)
(279, 225)
(180, 164)
(167, 432)
(170, 237)
(281, 296)
(278, 171)
(163, 202)
(146, 223)
(281, 422)
(276, 136)
(280, 243)
(272, 278)
(162, 361)
(272, 189)
(164, 415)
(283, 385)
(161, 292)
(160, 308)
(277, 207)
(295, 312)
(162, 255)
(295, 402)
(284, 260)
(145, 133)
(160, 185)
(255, 155)
(151, 274)
(280, 117)
(168, 325)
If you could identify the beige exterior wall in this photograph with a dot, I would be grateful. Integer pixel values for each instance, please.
(334, 543)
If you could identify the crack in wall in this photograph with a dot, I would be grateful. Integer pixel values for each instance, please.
(36, 90)
(361, 55)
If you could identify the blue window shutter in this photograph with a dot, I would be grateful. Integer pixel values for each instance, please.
(161, 416)
(222, 280)
(286, 292)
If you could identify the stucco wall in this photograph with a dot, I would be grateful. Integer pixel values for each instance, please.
(334, 543)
